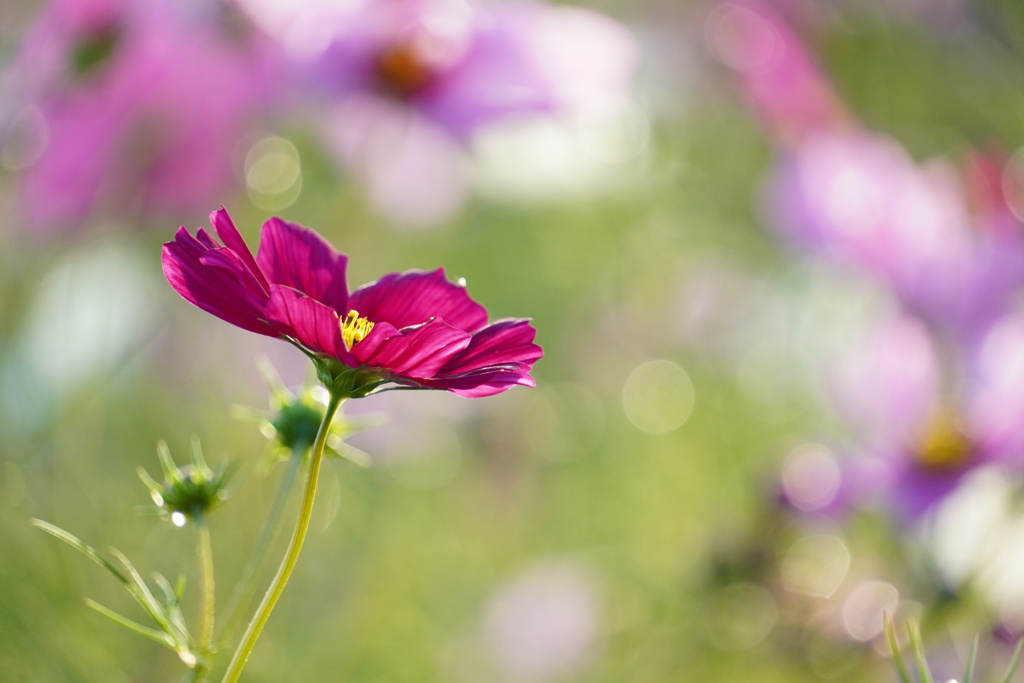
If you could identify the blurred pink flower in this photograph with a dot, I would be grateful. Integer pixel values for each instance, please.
(141, 103)
(413, 328)
(947, 244)
(922, 416)
(413, 80)
(779, 75)
(780, 79)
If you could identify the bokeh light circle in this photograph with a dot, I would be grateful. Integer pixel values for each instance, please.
(742, 615)
(815, 565)
(273, 173)
(658, 397)
(811, 477)
(865, 606)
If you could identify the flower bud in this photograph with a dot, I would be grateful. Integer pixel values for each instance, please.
(295, 418)
(188, 492)
(296, 422)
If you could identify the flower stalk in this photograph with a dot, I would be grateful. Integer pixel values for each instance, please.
(205, 552)
(291, 556)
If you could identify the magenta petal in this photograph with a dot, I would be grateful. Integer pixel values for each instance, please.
(204, 238)
(414, 352)
(311, 323)
(228, 233)
(370, 346)
(500, 343)
(227, 260)
(414, 297)
(297, 257)
(223, 289)
(477, 385)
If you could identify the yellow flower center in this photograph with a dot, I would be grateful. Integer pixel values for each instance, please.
(944, 447)
(401, 69)
(354, 329)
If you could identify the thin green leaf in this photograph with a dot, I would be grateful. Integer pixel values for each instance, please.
(1013, 661)
(894, 647)
(922, 663)
(150, 633)
(80, 546)
(969, 669)
(179, 590)
(140, 591)
(133, 583)
(173, 612)
(166, 589)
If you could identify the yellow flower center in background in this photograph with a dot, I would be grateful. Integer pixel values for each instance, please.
(944, 447)
(401, 69)
(354, 329)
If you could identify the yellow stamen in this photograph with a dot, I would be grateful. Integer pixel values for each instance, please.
(944, 447)
(354, 329)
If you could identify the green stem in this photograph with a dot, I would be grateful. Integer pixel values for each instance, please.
(291, 556)
(246, 587)
(209, 588)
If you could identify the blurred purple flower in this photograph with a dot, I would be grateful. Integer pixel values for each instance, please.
(139, 106)
(413, 80)
(924, 416)
(413, 328)
(947, 245)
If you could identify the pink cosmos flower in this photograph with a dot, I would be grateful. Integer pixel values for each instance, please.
(112, 87)
(921, 419)
(413, 329)
(409, 82)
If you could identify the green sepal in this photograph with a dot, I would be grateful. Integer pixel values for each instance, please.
(335, 375)
(345, 382)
